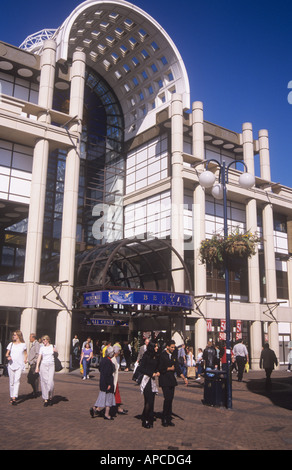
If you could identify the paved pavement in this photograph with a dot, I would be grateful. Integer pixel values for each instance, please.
(257, 420)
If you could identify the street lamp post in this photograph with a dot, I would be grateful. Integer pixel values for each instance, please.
(219, 191)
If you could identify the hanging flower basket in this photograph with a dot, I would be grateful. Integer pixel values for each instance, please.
(218, 249)
(212, 250)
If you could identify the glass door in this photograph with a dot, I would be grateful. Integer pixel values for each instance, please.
(284, 349)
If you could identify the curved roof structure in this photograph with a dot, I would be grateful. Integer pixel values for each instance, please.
(129, 263)
(132, 52)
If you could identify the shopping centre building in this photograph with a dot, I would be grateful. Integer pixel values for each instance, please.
(101, 210)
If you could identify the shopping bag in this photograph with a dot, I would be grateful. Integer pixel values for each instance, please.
(246, 368)
(81, 369)
(191, 371)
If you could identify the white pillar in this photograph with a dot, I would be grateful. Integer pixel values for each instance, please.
(70, 207)
(270, 273)
(264, 155)
(198, 130)
(256, 340)
(38, 195)
(254, 288)
(247, 140)
(177, 189)
(200, 279)
(200, 275)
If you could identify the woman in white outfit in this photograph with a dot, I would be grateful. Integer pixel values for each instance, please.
(17, 357)
(46, 368)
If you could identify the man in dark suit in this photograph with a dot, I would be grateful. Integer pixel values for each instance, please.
(268, 360)
(168, 366)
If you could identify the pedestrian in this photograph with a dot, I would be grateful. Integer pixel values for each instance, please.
(268, 360)
(199, 363)
(89, 340)
(190, 362)
(241, 355)
(143, 349)
(75, 340)
(223, 358)
(104, 345)
(46, 368)
(116, 345)
(75, 351)
(168, 367)
(85, 359)
(182, 359)
(33, 377)
(149, 368)
(210, 356)
(127, 355)
(16, 354)
(119, 409)
(106, 397)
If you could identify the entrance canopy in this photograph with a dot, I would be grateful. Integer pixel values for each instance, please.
(131, 276)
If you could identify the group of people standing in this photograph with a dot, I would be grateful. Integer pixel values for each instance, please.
(163, 365)
(153, 364)
(216, 357)
(41, 359)
(109, 397)
(89, 351)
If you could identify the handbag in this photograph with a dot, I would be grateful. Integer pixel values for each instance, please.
(58, 365)
(5, 370)
(191, 371)
(5, 365)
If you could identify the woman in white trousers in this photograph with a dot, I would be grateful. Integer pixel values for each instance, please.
(17, 357)
(46, 368)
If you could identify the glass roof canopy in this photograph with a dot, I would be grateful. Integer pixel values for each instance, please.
(130, 265)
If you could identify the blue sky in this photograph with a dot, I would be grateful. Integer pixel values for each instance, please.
(238, 55)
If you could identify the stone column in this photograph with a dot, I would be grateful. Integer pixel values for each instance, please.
(177, 189)
(70, 206)
(264, 155)
(253, 263)
(247, 141)
(200, 279)
(254, 289)
(200, 275)
(198, 130)
(38, 195)
(270, 272)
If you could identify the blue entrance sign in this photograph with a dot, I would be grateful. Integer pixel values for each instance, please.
(111, 297)
(106, 322)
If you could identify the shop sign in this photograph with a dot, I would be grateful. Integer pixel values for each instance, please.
(106, 322)
(238, 330)
(222, 334)
(165, 299)
(209, 324)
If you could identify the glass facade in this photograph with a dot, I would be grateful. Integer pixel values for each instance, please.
(101, 182)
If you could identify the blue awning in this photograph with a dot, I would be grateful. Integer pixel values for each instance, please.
(134, 297)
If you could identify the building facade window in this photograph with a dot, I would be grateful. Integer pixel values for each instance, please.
(101, 181)
(147, 164)
(149, 218)
(236, 217)
(15, 171)
(18, 88)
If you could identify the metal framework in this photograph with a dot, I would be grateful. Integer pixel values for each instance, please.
(130, 264)
(34, 42)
